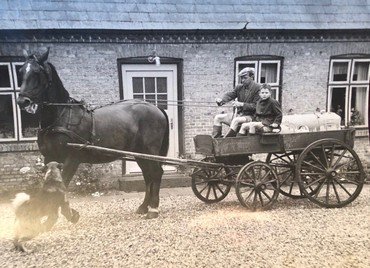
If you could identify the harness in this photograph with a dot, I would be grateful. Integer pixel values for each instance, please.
(54, 129)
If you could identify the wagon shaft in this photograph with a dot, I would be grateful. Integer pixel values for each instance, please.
(131, 155)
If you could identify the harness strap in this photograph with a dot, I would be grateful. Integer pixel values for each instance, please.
(93, 134)
(69, 133)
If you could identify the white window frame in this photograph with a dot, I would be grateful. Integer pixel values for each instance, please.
(278, 71)
(238, 63)
(348, 119)
(348, 85)
(257, 77)
(348, 71)
(353, 68)
(10, 77)
(14, 92)
(346, 102)
(14, 117)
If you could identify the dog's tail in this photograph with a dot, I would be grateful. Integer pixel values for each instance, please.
(19, 200)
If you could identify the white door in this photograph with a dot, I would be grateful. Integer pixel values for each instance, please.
(156, 84)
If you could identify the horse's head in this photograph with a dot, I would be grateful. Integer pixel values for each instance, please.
(36, 77)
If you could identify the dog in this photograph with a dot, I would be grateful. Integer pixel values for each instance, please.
(36, 213)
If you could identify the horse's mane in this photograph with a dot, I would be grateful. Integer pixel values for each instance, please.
(57, 91)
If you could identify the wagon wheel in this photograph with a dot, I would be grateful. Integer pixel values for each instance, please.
(257, 186)
(212, 185)
(334, 169)
(284, 165)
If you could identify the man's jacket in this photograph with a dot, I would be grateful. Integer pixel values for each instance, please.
(248, 94)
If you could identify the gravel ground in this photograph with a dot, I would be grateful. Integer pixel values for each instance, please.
(189, 233)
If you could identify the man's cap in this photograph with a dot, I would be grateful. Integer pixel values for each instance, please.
(246, 71)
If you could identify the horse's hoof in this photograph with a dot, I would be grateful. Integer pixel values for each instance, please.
(152, 215)
(75, 216)
(142, 210)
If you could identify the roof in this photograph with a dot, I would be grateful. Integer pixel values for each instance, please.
(184, 14)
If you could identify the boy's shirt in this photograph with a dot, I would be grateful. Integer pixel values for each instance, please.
(268, 111)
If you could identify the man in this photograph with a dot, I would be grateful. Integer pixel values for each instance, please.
(247, 95)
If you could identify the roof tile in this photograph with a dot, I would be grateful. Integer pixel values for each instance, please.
(184, 14)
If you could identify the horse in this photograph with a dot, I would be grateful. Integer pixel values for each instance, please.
(128, 125)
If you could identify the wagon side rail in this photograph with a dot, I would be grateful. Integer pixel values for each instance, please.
(127, 155)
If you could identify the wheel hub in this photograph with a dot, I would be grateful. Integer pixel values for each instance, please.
(331, 173)
(261, 187)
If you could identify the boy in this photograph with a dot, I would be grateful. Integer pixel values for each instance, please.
(268, 114)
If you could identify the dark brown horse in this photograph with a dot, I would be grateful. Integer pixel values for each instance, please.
(130, 125)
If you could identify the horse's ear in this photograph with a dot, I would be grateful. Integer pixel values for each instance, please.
(25, 53)
(44, 56)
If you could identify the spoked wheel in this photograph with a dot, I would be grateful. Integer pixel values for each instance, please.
(211, 185)
(284, 165)
(333, 169)
(257, 186)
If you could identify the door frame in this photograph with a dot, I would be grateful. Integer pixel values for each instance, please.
(164, 60)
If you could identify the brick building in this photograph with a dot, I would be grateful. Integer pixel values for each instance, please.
(315, 54)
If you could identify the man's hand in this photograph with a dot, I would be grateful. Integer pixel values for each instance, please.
(219, 101)
(238, 104)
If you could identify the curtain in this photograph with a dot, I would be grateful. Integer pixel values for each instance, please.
(269, 73)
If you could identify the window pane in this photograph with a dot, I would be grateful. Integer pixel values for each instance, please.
(361, 71)
(269, 73)
(358, 112)
(162, 84)
(4, 76)
(274, 92)
(17, 75)
(7, 130)
(338, 102)
(340, 71)
(150, 98)
(30, 124)
(137, 84)
(139, 96)
(149, 85)
(162, 101)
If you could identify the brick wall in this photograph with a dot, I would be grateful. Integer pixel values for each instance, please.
(89, 71)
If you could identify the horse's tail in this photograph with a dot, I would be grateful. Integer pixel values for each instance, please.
(166, 139)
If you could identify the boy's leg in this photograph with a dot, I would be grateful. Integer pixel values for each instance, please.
(254, 126)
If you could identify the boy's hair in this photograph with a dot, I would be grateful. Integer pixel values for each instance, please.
(266, 86)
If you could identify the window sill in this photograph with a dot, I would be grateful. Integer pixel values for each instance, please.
(362, 132)
(18, 147)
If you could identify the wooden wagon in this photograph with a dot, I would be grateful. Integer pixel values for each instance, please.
(320, 166)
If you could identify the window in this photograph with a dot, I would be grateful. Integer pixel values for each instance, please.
(15, 125)
(151, 89)
(348, 90)
(267, 70)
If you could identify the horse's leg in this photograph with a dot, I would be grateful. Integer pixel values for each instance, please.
(70, 166)
(152, 171)
(157, 172)
(143, 208)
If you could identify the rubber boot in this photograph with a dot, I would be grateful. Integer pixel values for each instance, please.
(216, 133)
(230, 133)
